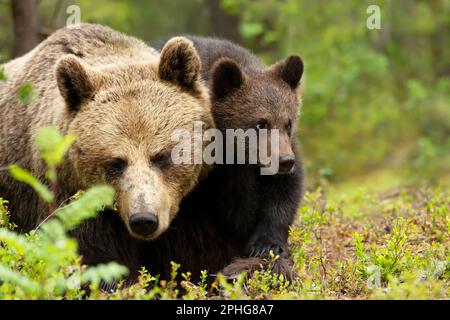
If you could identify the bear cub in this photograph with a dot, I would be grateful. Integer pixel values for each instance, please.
(235, 211)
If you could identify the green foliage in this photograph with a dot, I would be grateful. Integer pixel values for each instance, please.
(71, 215)
(53, 147)
(44, 264)
(103, 272)
(396, 250)
(187, 17)
(25, 93)
(27, 177)
(4, 215)
(264, 282)
(233, 290)
(2, 74)
(389, 260)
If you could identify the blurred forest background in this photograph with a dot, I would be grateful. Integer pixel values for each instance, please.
(376, 102)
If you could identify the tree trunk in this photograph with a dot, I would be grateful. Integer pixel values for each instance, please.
(221, 23)
(26, 26)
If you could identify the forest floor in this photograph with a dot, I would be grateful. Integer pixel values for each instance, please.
(367, 244)
(355, 241)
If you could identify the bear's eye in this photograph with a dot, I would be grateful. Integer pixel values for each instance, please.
(262, 124)
(115, 167)
(162, 160)
(289, 127)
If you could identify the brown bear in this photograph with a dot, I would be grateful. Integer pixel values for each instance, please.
(236, 211)
(122, 100)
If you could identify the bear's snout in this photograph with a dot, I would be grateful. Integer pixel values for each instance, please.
(144, 224)
(286, 164)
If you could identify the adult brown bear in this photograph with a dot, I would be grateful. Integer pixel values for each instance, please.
(123, 100)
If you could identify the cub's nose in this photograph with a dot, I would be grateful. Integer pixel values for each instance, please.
(144, 223)
(286, 164)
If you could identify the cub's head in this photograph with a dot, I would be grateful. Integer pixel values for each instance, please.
(124, 116)
(265, 100)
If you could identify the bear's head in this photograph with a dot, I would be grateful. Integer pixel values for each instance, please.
(123, 116)
(266, 99)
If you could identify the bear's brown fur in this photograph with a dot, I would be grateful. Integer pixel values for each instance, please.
(123, 100)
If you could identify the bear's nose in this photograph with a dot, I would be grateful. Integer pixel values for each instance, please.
(286, 164)
(144, 223)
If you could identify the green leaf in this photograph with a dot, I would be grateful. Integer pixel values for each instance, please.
(26, 93)
(52, 145)
(251, 29)
(26, 284)
(3, 74)
(4, 215)
(27, 177)
(374, 279)
(87, 206)
(230, 6)
(14, 240)
(107, 272)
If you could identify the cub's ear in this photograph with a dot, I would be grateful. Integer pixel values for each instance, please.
(77, 84)
(226, 77)
(289, 70)
(180, 64)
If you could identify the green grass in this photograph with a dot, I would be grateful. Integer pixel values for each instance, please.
(374, 245)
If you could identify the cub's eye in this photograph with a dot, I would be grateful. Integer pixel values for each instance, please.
(115, 167)
(262, 124)
(162, 160)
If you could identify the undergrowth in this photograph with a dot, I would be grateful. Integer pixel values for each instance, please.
(360, 245)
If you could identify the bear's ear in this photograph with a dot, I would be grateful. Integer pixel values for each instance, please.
(76, 83)
(226, 77)
(180, 64)
(289, 70)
